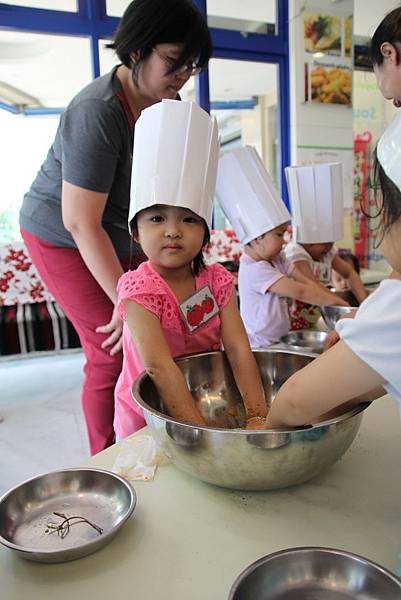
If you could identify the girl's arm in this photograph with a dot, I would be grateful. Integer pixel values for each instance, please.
(159, 364)
(82, 212)
(242, 361)
(336, 377)
(309, 292)
(354, 281)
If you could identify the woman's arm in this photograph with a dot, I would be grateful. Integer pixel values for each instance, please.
(309, 292)
(159, 364)
(242, 361)
(336, 377)
(355, 283)
(82, 212)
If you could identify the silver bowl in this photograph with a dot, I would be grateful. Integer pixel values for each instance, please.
(305, 340)
(315, 573)
(224, 454)
(331, 314)
(102, 497)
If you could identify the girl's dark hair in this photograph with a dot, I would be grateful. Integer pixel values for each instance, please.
(345, 255)
(146, 23)
(389, 202)
(198, 261)
(389, 30)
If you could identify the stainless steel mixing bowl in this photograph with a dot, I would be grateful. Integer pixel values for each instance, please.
(235, 458)
(103, 498)
(305, 340)
(331, 314)
(315, 574)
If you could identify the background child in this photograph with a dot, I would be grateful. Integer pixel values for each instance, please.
(173, 305)
(369, 353)
(338, 281)
(317, 208)
(260, 218)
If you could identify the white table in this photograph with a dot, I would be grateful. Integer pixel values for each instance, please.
(189, 540)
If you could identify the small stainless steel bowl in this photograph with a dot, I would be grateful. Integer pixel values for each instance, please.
(305, 340)
(224, 454)
(315, 573)
(102, 497)
(331, 314)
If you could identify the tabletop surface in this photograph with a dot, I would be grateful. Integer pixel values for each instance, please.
(189, 540)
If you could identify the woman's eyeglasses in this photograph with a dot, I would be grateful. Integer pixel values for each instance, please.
(190, 67)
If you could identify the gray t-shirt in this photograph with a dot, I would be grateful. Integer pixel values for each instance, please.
(93, 150)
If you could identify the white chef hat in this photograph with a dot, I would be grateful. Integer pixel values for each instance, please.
(317, 202)
(175, 159)
(247, 195)
(389, 150)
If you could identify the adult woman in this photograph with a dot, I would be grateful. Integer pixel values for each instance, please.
(73, 219)
(386, 56)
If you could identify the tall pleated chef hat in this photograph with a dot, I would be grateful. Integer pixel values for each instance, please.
(389, 150)
(175, 158)
(247, 194)
(317, 202)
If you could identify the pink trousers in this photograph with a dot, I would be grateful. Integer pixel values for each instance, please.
(87, 306)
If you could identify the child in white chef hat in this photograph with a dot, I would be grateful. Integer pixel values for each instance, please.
(173, 305)
(317, 206)
(260, 219)
(368, 354)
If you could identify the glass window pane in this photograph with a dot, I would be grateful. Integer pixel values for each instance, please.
(108, 59)
(42, 70)
(243, 97)
(67, 5)
(254, 16)
(115, 8)
(25, 143)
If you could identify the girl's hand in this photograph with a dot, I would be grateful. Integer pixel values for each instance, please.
(115, 328)
(256, 423)
(331, 340)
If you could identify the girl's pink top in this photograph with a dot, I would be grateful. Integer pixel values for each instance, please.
(146, 287)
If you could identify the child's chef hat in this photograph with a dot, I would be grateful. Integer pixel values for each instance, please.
(317, 202)
(175, 157)
(247, 195)
(389, 150)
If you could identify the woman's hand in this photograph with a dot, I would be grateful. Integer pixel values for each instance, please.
(115, 328)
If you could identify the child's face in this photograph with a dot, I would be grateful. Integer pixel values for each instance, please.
(340, 284)
(318, 251)
(270, 244)
(170, 236)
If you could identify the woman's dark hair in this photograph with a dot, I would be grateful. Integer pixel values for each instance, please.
(388, 198)
(198, 261)
(389, 30)
(146, 23)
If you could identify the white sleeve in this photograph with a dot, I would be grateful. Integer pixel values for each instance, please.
(375, 333)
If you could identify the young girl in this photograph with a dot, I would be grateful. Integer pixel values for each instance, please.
(260, 218)
(173, 305)
(369, 352)
(318, 220)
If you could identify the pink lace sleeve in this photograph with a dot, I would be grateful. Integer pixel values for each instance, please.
(222, 284)
(140, 289)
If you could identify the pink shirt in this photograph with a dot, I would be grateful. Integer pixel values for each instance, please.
(146, 287)
(264, 313)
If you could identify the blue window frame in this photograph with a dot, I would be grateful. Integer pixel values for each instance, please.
(91, 20)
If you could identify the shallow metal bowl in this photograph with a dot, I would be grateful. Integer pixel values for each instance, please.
(305, 340)
(315, 573)
(235, 458)
(331, 314)
(26, 511)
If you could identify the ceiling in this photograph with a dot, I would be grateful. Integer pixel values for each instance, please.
(43, 68)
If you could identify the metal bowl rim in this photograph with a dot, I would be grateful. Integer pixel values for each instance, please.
(306, 549)
(26, 550)
(135, 391)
